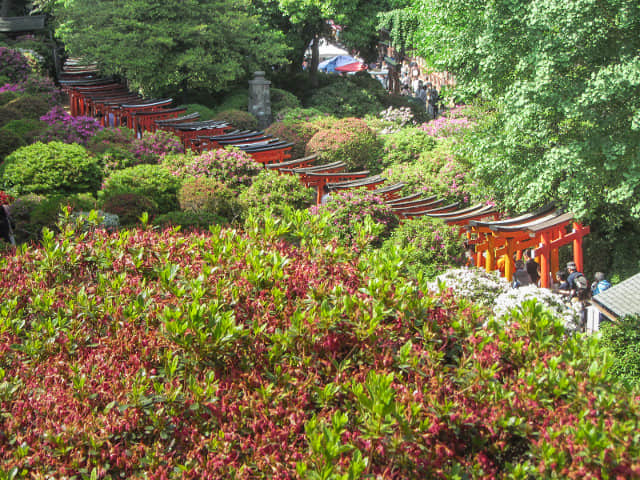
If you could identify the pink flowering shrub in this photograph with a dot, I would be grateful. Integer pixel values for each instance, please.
(436, 172)
(350, 207)
(231, 166)
(349, 140)
(452, 123)
(156, 354)
(14, 66)
(64, 128)
(153, 146)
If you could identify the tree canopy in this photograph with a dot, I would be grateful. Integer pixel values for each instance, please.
(565, 78)
(170, 44)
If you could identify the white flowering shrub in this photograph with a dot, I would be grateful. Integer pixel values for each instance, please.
(552, 302)
(474, 284)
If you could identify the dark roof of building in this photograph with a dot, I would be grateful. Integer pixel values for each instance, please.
(622, 299)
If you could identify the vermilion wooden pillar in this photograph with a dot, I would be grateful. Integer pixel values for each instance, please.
(545, 254)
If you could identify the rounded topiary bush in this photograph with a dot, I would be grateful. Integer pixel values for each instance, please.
(203, 194)
(297, 132)
(10, 141)
(8, 113)
(349, 140)
(238, 118)
(54, 167)
(230, 166)
(282, 100)
(405, 145)
(129, 207)
(350, 207)
(345, 99)
(7, 96)
(205, 112)
(271, 190)
(28, 129)
(435, 246)
(154, 182)
(30, 106)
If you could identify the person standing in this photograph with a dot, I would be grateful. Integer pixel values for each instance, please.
(533, 269)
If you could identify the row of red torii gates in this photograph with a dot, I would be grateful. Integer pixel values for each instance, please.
(544, 232)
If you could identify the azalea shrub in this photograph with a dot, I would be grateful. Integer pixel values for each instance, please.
(208, 195)
(65, 128)
(352, 207)
(53, 167)
(513, 298)
(270, 190)
(298, 132)
(10, 141)
(129, 207)
(349, 140)
(474, 284)
(225, 354)
(231, 166)
(14, 66)
(153, 182)
(27, 129)
(430, 246)
(452, 123)
(405, 146)
(153, 146)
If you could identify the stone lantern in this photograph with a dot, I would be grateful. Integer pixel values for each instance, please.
(260, 100)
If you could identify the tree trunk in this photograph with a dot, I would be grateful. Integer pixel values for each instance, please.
(315, 60)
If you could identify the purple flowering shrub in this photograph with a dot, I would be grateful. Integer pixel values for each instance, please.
(350, 207)
(14, 66)
(67, 129)
(230, 166)
(430, 246)
(153, 146)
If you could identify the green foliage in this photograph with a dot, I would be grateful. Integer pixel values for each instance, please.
(187, 44)
(28, 129)
(270, 190)
(6, 97)
(9, 113)
(31, 213)
(429, 246)
(237, 99)
(189, 220)
(349, 140)
(29, 106)
(154, 182)
(436, 172)
(10, 141)
(205, 112)
(208, 195)
(282, 100)
(129, 207)
(405, 145)
(566, 105)
(240, 119)
(343, 98)
(54, 167)
(622, 340)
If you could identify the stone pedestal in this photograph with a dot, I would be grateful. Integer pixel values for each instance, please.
(260, 100)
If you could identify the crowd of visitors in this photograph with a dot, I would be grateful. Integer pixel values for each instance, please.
(414, 84)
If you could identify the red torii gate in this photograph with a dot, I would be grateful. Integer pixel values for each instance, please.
(545, 231)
